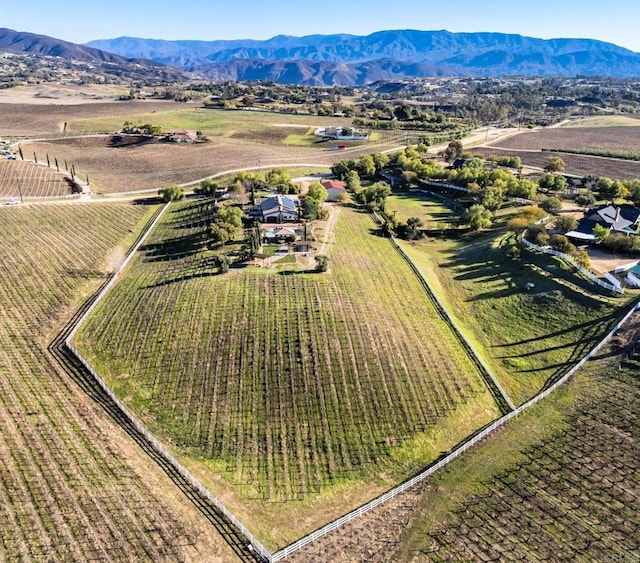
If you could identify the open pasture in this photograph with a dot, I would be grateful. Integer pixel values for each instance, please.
(528, 337)
(433, 213)
(31, 180)
(559, 481)
(295, 387)
(72, 485)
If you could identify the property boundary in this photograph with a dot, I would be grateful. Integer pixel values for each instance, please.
(299, 544)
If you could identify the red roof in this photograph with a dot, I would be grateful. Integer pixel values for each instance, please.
(333, 184)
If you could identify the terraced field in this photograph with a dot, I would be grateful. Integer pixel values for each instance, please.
(72, 485)
(294, 387)
(32, 180)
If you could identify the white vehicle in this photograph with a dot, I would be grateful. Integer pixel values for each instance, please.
(13, 201)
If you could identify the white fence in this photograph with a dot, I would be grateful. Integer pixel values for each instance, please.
(299, 544)
(586, 273)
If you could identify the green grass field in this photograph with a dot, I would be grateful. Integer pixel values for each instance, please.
(307, 393)
(528, 337)
(434, 214)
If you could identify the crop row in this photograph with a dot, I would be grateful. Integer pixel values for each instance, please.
(31, 180)
(66, 491)
(291, 382)
(573, 497)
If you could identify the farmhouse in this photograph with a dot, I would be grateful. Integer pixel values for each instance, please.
(619, 219)
(335, 190)
(279, 209)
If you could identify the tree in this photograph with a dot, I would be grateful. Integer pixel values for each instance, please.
(477, 217)
(322, 263)
(553, 182)
(317, 192)
(311, 209)
(582, 258)
(453, 151)
(554, 164)
(601, 233)
(551, 204)
(352, 182)
(492, 198)
(222, 262)
(566, 224)
(411, 230)
(229, 214)
(172, 193)
(279, 178)
(561, 244)
(585, 200)
(518, 225)
(218, 234)
(366, 166)
(207, 187)
(375, 196)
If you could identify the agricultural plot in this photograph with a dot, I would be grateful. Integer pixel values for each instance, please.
(151, 166)
(31, 180)
(528, 146)
(622, 138)
(295, 387)
(72, 485)
(530, 338)
(559, 483)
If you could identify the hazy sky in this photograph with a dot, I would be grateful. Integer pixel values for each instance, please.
(80, 21)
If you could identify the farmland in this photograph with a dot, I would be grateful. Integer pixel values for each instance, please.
(294, 387)
(559, 482)
(529, 146)
(30, 180)
(72, 485)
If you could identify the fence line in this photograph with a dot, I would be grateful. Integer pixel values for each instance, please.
(571, 261)
(299, 544)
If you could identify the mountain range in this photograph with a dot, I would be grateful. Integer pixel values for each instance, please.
(350, 59)
(344, 59)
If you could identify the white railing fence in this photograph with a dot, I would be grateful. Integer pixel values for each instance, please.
(595, 279)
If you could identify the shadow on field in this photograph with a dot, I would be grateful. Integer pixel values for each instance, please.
(174, 248)
(85, 380)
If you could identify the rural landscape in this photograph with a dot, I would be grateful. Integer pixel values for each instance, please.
(275, 319)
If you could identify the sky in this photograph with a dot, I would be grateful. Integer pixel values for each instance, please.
(80, 21)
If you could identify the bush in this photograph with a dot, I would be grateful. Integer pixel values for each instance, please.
(172, 193)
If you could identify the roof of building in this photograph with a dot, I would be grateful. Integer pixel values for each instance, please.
(278, 203)
(618, 218)
(333, 184)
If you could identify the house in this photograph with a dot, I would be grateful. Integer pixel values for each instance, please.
(302, 246)
(181, 136)
(280, 235)
(279, 209)
(336, 190)
(618, 219)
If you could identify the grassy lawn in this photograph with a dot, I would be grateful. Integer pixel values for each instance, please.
(433, 213)
(528, 337)
(293, 396)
